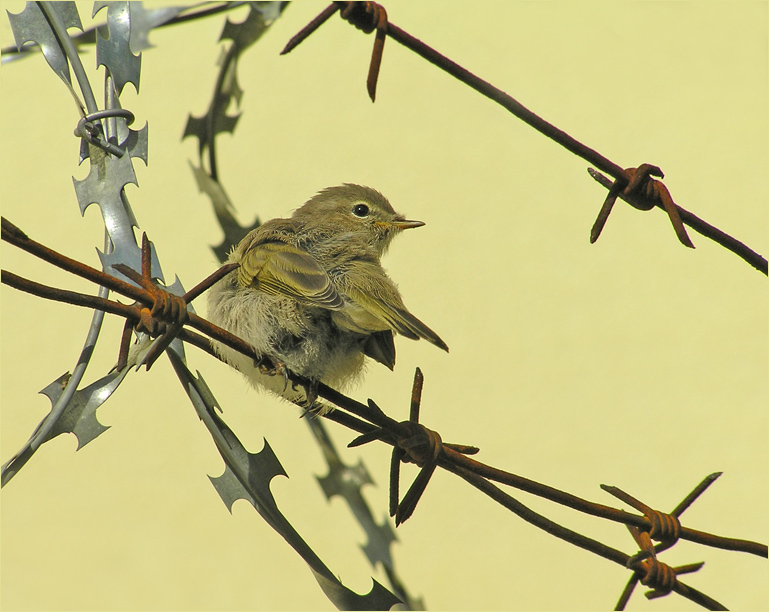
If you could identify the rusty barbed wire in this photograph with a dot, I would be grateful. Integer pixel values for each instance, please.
(367, 17)
(634, 185)
(456, 455)
(477, 474)
(638, 181)
(160, 319)
(412, 442)
(696, 223)
(666, 529)
(155, 307)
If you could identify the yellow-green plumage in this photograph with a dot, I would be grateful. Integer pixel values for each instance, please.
(311, 293)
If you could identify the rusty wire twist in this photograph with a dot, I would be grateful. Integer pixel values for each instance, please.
(367, 17)
(156, 311)
(412, 443)
(641, 191)
(666, 529)
(165, 317)
(660, 577)
(663, 527)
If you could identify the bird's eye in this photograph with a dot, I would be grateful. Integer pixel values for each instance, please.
(360, 210)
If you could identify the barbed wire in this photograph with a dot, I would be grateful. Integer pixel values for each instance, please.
(164, 314)
(634, 185)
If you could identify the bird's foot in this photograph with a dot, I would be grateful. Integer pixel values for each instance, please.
(276, 368)
(311, 405)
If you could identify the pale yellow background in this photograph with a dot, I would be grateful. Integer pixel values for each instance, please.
(633, 362)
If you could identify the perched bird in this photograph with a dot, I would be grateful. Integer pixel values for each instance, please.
(311, 294)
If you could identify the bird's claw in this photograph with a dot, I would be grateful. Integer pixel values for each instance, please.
(280, 368)
(277, 369)
(311, 405)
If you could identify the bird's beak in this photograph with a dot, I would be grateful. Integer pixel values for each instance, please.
(401, 225)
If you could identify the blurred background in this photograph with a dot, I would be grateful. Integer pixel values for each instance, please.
(633, 362)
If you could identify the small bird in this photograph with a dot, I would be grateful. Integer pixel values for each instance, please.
(311, 293)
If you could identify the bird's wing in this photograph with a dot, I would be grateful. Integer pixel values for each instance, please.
(278, 268)
(380, 346)
(381, 300)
